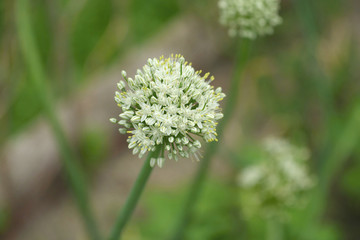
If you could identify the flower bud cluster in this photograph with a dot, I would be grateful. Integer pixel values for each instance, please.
(278, 181)
(165, 106)
(249, 18)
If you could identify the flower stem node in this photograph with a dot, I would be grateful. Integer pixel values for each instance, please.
(166, 106)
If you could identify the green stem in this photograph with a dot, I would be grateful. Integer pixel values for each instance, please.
(197, 184)
(38, 78)
(133, 198)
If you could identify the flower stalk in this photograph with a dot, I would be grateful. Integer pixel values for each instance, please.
(133, 198)
(242, 56)
(165, 107)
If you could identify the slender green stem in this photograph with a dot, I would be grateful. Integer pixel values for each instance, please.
(38, 78)
(133, 198)
(197, 184)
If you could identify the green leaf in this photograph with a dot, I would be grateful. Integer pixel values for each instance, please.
(23, 108)
(88, 28)
(93, 148)
(42, 30)
(148, 16)
(351, 182)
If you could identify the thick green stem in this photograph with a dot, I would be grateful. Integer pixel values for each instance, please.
(38, 78)
(133, 198)
(197, 184)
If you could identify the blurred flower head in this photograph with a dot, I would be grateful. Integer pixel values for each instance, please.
(278, 181)
(165, 106)
(249, 18)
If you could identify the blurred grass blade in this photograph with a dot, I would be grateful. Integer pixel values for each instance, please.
(242, 56)
(347, 140)
(88, 29)
(337, 147)
(147, 17)
(38, 78)
(319, 79)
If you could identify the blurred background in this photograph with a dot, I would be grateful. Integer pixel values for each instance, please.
(301, 84)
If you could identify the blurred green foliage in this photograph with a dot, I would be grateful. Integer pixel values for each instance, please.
(93, 148)
(88, 27)
(2, 9)
(307, 94)
(4, 219)
(351, 182)
(43, 31)
(161, 207)
(23, 107)
(216, 217)
(145, 17)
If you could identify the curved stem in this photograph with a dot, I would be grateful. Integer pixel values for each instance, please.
(38, 78)
(133, 198)
(197, 184)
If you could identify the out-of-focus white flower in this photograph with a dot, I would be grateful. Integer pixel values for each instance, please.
(250, 18)
(276, 182)
(166, 105)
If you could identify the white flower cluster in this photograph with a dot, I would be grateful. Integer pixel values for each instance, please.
(278, 181)
(165, 106)
(249, 18)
